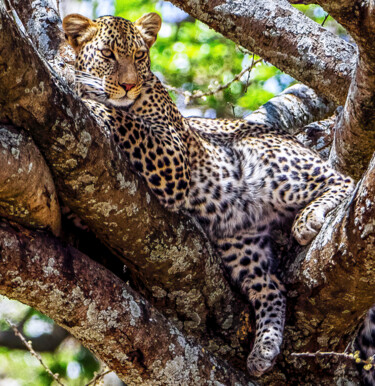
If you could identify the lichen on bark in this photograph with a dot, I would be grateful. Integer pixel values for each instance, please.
(168, 256)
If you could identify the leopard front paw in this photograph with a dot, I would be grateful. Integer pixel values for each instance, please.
(262, 358)
(307, 225)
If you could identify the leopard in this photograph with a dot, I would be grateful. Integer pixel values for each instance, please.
(238, 179)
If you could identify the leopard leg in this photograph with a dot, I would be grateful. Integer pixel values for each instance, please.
(248, 260)
(310, 219)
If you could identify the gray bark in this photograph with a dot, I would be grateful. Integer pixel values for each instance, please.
(355, 129)
(293, 109)
(168, 257)
(285, 37)
(27, 191)
(104, 313)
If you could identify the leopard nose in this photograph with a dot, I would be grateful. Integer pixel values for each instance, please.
(128, 86)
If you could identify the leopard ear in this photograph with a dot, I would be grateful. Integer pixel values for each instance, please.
(149, 26)
(78, 30)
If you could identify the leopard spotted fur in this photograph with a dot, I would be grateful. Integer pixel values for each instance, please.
(238, 179)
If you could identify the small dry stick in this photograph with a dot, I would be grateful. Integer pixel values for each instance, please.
(98, 377)
(199, 94)
(325, 19)
(368, 363)
(33, 353)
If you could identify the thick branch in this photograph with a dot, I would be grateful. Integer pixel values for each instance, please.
(355, 131)
(27, 191)
(333, 283)
(285, 37)
(105, 314)
(293, 109)
(357, 17)
(164, 250)
(38, 17)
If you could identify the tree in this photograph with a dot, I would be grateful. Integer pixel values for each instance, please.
(61, 149)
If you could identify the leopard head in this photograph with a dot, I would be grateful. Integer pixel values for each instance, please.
(112, 55)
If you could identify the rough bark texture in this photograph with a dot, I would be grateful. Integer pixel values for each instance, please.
(37, 18)
(105, 314)
(27, 191)
(293, 109)
(168, 257)
(283, 36)
(355, 129)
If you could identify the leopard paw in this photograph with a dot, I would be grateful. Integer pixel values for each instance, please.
(262, 358)
(308, 224)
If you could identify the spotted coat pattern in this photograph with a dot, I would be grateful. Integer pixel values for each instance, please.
(238, 179)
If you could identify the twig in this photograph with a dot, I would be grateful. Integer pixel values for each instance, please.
(248, 77)
(368, 363)
(199, 94)
(33, 353)
(325, 19)
(98, 377)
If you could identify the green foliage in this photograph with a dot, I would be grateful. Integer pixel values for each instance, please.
(74, 363)
(317, 14)
(71, 354)
(191, 56)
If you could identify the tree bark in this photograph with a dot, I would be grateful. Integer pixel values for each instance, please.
(27, 191)
(355, 130)
(283, 36)
(294, 108)
(169, 258)
(104, 313)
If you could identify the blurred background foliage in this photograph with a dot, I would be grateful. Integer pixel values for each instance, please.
(188, 56)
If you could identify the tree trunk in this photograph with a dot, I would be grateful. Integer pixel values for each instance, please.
(104, 313)
(171, 263)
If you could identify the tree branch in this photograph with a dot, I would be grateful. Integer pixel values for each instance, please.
(164, 251)
(285, 37)
(105, 314)
(356, 17)
(94, 180)
(355, 130)
(294, 108)
(27, 191)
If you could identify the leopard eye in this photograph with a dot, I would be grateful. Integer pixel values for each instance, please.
(140, 54)
(107, 53)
